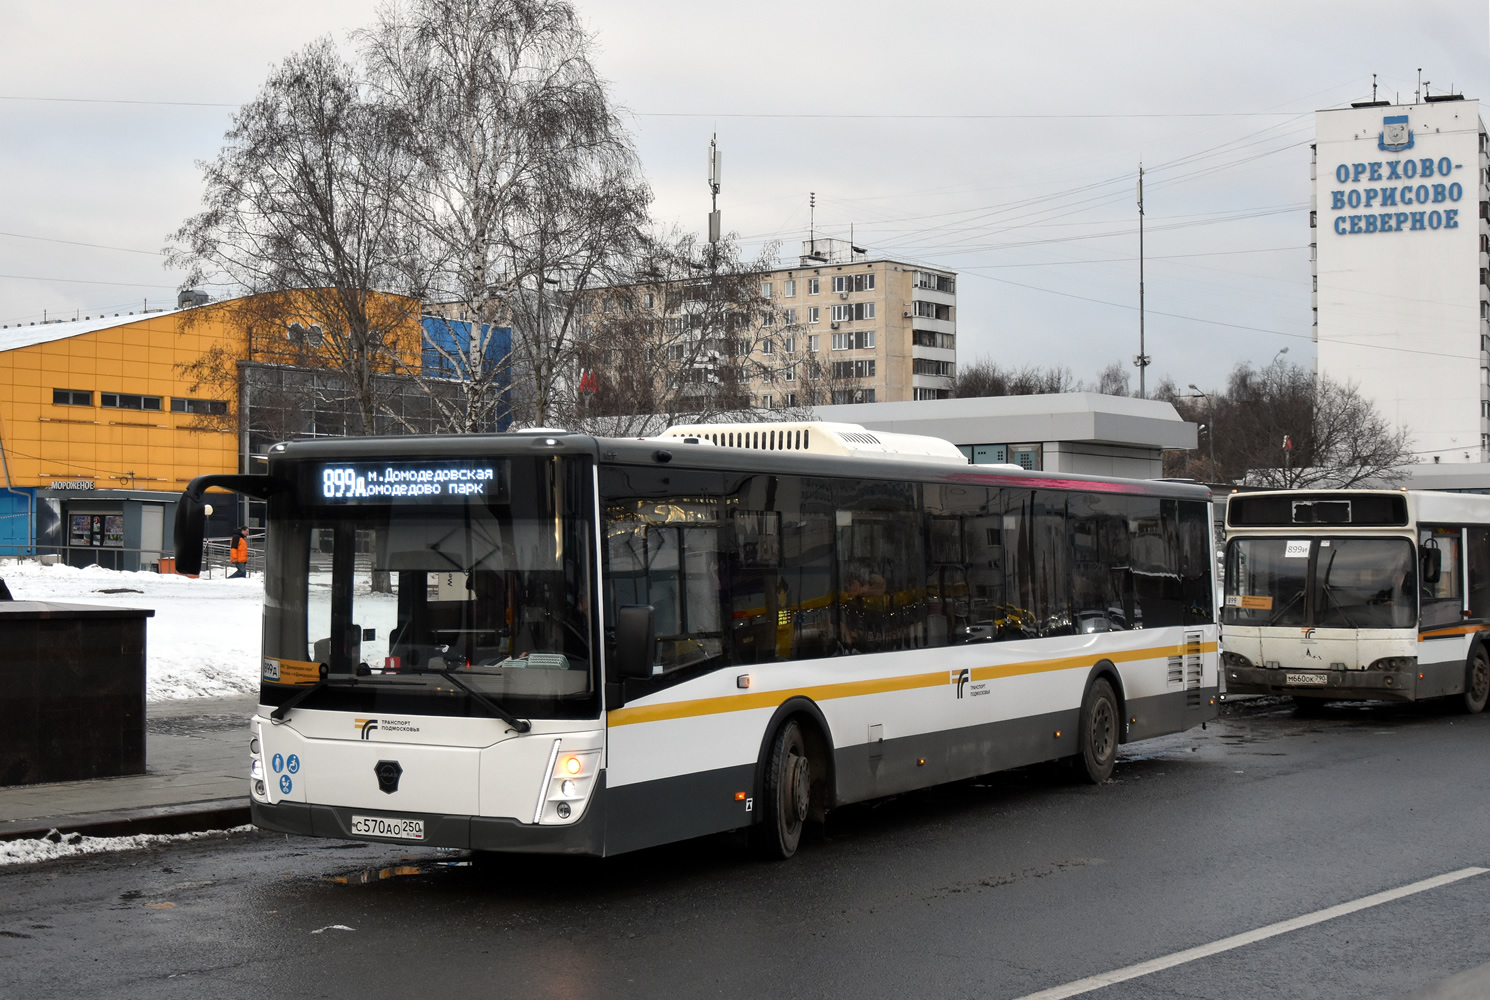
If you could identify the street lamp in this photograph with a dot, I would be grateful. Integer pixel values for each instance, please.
(1281, 351)
(1211, 435)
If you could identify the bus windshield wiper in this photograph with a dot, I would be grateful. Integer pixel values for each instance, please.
(519, 725)
(1285, 608)
(278, 715)
(1329, 594)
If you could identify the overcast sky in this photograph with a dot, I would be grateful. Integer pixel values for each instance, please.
(998, 139)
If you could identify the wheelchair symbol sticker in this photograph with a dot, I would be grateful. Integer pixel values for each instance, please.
(285, 784)
(293, 764)
(278, 763)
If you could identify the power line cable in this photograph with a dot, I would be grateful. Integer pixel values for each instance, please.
(76, 243)
(745, 114)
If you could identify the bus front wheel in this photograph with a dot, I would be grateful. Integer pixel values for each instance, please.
(1098, 734)
(787, 795)
(1477, 681)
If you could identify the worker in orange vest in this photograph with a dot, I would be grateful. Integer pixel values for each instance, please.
(239, 555)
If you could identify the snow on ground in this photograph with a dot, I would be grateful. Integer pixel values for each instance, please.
(204, 640)
(17, 852)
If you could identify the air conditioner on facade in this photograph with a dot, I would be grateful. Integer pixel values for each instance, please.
(907, 314)
(843, 295)
(832, 326)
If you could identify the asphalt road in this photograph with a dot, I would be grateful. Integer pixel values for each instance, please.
(994, 889)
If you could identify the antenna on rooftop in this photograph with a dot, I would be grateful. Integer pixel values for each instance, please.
(1373, 88)
(812, 220)
(714, 158)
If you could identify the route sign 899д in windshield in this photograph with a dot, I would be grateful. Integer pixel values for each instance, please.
(393, 482)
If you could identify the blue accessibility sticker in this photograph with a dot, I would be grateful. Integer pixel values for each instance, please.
(293, 764)
(285, 784)
(278, 763)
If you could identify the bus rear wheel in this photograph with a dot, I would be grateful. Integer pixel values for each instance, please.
(1477, 681)
(1099, 733)
(786, 795)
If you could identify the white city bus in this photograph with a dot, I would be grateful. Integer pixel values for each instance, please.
(1357, 594)
(550, 642)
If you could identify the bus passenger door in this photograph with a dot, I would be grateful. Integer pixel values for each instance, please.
(1443, 636)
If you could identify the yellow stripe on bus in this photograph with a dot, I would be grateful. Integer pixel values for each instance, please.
(1440, 633)
(748, 700)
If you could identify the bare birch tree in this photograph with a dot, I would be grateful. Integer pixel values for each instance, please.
(300, 215)
(528, 191)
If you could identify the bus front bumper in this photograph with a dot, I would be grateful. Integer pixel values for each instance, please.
(1360, 685)
(477, 833)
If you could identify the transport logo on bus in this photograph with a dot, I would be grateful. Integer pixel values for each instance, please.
(966, 687)
(960, 678)
(365, 727)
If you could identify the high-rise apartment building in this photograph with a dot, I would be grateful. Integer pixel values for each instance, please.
(881, 329)
(1401, 262)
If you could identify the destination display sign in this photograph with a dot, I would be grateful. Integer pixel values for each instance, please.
(404, 482)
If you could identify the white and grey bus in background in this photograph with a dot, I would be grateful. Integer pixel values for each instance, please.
(1358, 594)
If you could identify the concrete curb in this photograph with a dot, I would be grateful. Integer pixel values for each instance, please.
(185, 817)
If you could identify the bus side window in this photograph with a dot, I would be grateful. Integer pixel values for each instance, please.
(881, 560)
(1479, 572)
(1442, 599)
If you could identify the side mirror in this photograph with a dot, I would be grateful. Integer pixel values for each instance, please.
(190, 517)
(1432, 565)
(191, 512)
(636, 640)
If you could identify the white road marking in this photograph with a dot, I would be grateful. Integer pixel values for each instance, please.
(1248, 937)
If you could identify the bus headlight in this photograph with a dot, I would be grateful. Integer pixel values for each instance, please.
(256, 771)
(568, 786)
(1230, 659)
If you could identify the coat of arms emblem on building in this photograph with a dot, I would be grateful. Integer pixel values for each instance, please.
(1395, 135)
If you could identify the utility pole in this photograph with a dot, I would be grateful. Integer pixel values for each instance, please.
(1142, 361)
(714, 158)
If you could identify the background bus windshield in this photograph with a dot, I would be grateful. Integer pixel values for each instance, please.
(492, 588)
(1321, 582)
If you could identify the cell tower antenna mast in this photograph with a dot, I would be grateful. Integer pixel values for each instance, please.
(1373, 87)
(714, 162)
(812, 220)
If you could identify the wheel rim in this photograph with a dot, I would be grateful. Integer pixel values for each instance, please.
(1101, 732)
(799, 792)
(1480, 682)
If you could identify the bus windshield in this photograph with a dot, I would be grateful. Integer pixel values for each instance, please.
(1321, 582)
(443, 604)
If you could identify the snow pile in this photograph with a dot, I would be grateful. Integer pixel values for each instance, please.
(66, 845)
(204, 640)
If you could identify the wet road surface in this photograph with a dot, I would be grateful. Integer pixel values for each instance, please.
(998, 888)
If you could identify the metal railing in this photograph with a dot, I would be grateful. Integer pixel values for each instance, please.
(107, 556)
(217, 559)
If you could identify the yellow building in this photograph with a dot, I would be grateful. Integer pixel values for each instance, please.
(104, 421)
(100, 430)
